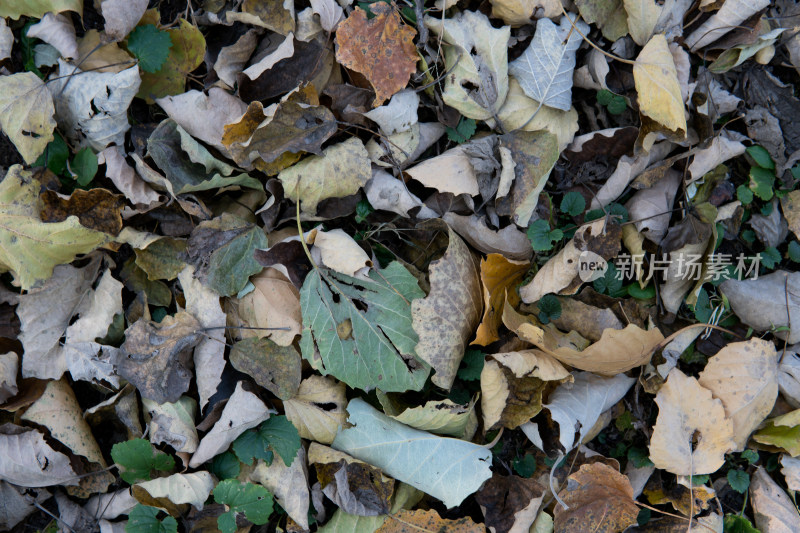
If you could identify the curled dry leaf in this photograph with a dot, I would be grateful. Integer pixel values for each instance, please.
(744, 376)
(446, 319)
(599, 498)
(510, 503)
(381, 48)
(499, 277)
(692, 433)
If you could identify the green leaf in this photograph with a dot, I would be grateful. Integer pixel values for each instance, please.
(751, 456)
(150, 46)
(643, 517)
(84, 166)
(702, 309)
(794, 251)
(144, 519)
(617, 106)
(282, 437)
(526, 466)
(744, 194)
(770, 257)
(471, 365)
(363, 210)
(445, 468)
(760, 156)
(463, 131)
(360, 331)
(252, 445)
(604, 97)
(700, 480)
(55, 155)
(642, 294)
(616, 211)
(738, 524)
(225, 466)
(573, 204)
(549, 308)
(253, 500)
(748, 236)
(542, 237)
(762, 182)
(639, 457)
(739, 480)
(137, 457)
(608, 284)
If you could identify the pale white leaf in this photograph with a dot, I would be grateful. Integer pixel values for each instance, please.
(191, 488)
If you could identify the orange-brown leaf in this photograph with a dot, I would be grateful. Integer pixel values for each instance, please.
(382, 49)
(498, 276)
(417, 521)
(599, 498)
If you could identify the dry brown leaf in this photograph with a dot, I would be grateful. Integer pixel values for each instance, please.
(382, 49)
(446, 319)
(658, 89)
(275, 303)
(599, 499)
(417, 521)
(692, 433)
(498, 277)
(744, 376)
(449, 172)
(510, 503)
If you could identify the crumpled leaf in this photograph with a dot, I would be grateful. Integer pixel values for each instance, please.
(340, 171)
(381, 48)
(476, 60)
(599, 498)
(499, 277)
(318, 408)
(405, 497)
(243, 411)
(173, 423)
(31, 248)
(755, 302)
(441, 417)
(191, 488)
(446, 319)
(156, 357)
(544, 70)
(275, 15)
(222, 249)
(773, 510)
(26, 113)
(92, 107)
(420, 520)
(447, 469)
(365, 349)
(185, 55)
(744, 376)
(658, 89)
(29, 461)
(692, 433)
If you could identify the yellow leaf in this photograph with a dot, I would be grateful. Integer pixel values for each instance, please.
(498, 277)
(26, 114)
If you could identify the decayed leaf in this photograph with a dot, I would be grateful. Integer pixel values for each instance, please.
(773, 510)
(446, 319)
(340, 171)
(26, 113)
(790, 205)
(509, 241)
(91, 107)
(191, 488)
(243, 411)
(31, 249)
(762, 303)
(6, 40)
(382, 49)
(124, 177)
(744, 376)
(274, 303)
(18, 503)
(97, 209)
(447, 469)
(451, 171)
(156, 357)
(544, 70)
(651, 208)
(599, 498)
(173, 423)
(274, 367)
(658, 89)
(499, 277)
(289, 484)
(512, 385)
(405, 497)
(29, 461)
(520, 12)
(414, 521)
(209, 354)
(365, 349)
(477, 62)
(186, 54)
(9, 366)
(310, 410)
(510, 503)
(58, 32)
(692, 433)
(577, 406)
(355, 487)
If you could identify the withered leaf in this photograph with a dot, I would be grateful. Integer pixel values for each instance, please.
(97, 209)
(286, 74)
(382, 49)
(510, 502)
(356, 487)
(499, 277)
(157, 357)
(416, 521)
(274, 367)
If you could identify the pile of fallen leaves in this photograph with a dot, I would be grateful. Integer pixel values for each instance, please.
(512, 265)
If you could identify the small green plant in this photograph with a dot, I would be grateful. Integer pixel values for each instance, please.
(276, 434)
(542, 237)
(84, 166)
(738, 480)
(573, 204)
(463, 131)
(614, 103)
(610, 283)
(549, 308)
(793, 252)
(144, 519)
(524, 466)
(138, 458)
(253, 500)
(226, 466)
(471, 365)
(150, 46)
